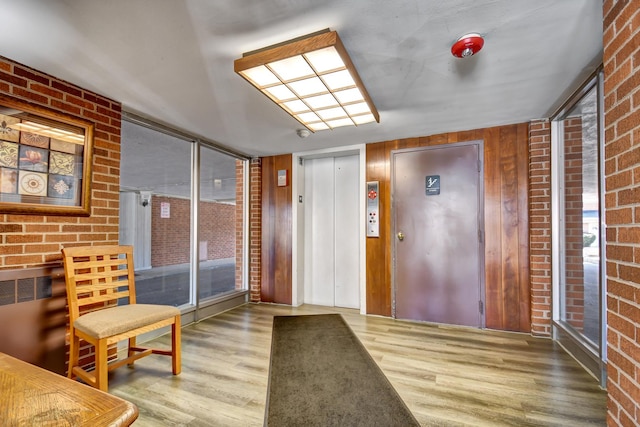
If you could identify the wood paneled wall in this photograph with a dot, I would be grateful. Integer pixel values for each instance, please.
(276, 232)
(506, 157)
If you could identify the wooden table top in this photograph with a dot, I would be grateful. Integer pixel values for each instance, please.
(30, 395)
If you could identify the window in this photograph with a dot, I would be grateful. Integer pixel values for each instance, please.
(182, 208)
(578, 284)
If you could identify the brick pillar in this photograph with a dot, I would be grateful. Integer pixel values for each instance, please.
(540, 225)
(239, 222)
(255, 228)
(622, 200)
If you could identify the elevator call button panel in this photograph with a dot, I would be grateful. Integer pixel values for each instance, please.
(373, 209)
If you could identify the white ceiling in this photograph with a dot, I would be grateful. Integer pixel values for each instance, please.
(172, 60)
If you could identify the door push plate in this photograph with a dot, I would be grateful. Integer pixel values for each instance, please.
(373, 211)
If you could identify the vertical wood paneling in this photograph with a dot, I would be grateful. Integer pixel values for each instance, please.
(276, 232)
(494, 311)
(508, 176)
(507, 290)
(378, 256)
(522, 143)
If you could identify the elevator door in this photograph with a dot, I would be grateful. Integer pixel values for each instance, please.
(436, 208)
(332, 232)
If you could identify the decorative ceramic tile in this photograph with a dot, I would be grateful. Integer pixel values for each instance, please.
(61, 163)
(61, 187)
(7, 132)
(8, 181)
(32, 183)
(65, 147)
(33, 159)
(8, 154)
(34, 140)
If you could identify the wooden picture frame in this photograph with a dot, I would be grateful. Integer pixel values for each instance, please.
(45, 160)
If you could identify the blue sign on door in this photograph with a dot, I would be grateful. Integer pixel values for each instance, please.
(432, 185)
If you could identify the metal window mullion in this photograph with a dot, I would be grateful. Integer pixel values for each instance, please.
(557, 218)
(246, 240)
(602, 237)
(194, 229)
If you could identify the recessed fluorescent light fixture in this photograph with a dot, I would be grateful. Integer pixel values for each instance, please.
(313, 79)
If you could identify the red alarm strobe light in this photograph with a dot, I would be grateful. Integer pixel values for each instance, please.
(467, 45)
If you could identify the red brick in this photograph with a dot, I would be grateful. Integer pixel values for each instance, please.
(631, 158)
(64, 87)
(71, 99)
(97, 117)
(630, 274)
(101, 101)
(23, 72)
(619, 146)
(44, 249)
(620, 74)
(10, 228)
(629, 196)
(41, 228)
(24, 260)
(30, 96)
(45, 90)
(620, 180)
(23, 238)
(13, 79)
(628, 123)
(11, 249)
(65, 107)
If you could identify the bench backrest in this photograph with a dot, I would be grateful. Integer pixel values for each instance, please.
(97, 277)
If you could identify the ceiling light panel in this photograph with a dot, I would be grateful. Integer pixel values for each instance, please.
(325, 60)
(293, 68)
(280, 93)
(306, 87)
(338, 80)
(260, 76)
(313, 79)
(332, 113)
(321, 101)
(295, 106)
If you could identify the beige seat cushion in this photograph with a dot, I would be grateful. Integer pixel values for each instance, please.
(113, 321)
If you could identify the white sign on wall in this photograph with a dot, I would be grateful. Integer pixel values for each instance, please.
(165, 210)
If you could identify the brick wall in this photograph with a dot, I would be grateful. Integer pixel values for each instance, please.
(36, 240)
(218, 229)
(255, 229)
(540, 225)
(622, 200)
(170, 236)
(28, 241)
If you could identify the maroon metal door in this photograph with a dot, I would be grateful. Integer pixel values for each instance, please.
(437, 237)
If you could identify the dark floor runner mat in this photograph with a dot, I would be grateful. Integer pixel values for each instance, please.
(321, 375)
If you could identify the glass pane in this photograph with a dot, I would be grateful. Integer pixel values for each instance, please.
(220, 224)
(155, 212)
(580, 306)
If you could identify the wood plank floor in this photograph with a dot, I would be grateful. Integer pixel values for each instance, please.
(448, 376)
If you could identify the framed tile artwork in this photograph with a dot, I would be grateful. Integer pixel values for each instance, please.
(45, 160)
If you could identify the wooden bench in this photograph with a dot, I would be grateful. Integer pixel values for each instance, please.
(103, 311)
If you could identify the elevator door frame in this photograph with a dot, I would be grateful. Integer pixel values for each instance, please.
(480, 216)
(297, 182)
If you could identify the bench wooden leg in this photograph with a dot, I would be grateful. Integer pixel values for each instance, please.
(74, 353)
(131, 351)
(102, 370)
(176, 358)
